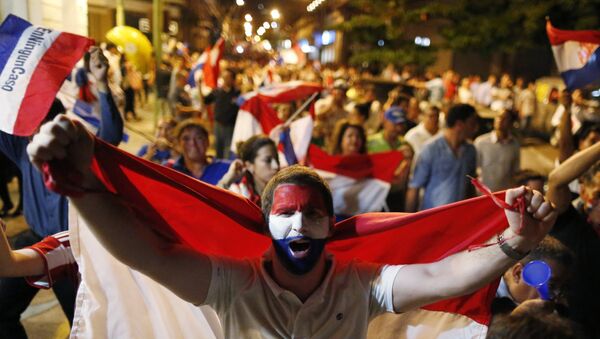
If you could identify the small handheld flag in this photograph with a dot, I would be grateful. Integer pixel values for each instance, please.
(34, 62)
(577, 55)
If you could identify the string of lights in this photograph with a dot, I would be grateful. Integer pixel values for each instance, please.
(313, 5)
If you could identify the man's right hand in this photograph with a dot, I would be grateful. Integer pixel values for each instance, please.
(63, 139)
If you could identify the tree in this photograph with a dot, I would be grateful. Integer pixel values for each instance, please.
(505, 26)
(374, 30)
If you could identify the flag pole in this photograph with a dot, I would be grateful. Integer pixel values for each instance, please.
(300, 110)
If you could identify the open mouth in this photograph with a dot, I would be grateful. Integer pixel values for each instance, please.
(299, 248)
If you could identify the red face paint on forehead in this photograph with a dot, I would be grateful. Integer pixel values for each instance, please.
(291, 198)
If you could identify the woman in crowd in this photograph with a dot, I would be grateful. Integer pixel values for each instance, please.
(192, 144)
(348, 139)
(257, 164)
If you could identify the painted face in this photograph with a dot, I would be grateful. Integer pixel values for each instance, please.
(299, 225)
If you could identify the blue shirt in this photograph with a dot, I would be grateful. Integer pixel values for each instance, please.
(442, 174)
(45, 211)
(212, 173)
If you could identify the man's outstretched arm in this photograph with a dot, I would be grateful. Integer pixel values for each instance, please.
(467, 271)
(571, 169)
(179, 268)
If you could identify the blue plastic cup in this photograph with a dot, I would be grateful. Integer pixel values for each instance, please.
(537, 274)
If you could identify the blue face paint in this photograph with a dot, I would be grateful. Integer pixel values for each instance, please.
(295, 265)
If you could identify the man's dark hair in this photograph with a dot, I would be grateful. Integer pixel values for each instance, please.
(364, 109)
(191, 124)
(585, 130)
(402, 100)
(533, 326)
(248, 150)
(551, 249)
(522, 177)
(297, 175)
(55, 109)
(459, 112)
(232, 71)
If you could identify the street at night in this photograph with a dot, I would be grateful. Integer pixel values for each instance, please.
(299, 169)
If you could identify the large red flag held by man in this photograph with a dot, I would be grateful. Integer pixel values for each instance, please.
(176, 206)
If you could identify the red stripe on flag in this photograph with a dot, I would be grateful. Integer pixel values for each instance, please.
(48, 76)
(293, 93)
(263, 113)
(378, 165)
(559, 36)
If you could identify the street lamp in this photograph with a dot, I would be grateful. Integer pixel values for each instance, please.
(239, 2)
(248, 17)
(275, 14)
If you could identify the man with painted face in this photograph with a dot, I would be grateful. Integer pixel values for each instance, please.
(296, 289)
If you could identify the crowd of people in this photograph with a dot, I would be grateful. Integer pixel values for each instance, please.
(431, 119)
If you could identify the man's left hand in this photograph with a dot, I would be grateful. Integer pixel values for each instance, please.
(538, 219)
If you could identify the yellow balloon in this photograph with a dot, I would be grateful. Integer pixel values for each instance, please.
(135, 45)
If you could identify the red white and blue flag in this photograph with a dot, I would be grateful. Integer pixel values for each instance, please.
(359, 183)
(236, 230)
(34, 62)
(257, 116)
(207, 66)
(195, 75)
(577, 55)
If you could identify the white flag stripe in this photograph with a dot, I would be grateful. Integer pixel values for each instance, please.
(301, 135)
(245, 127)
(114, 301)
(20, 67)
(352, 196)
(570, 56)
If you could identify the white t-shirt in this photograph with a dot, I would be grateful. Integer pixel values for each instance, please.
(251, 305)
(418, 136)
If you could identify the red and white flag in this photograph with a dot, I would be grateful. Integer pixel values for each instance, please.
(359, 183)
(210, 69)
(34, 62)
(577, 55)
(257, 116)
